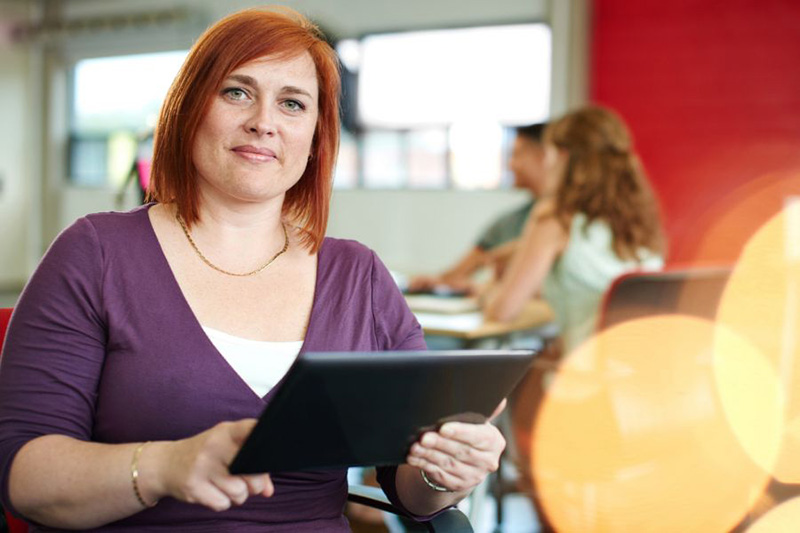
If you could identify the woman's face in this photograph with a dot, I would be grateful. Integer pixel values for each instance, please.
(526, 164)
(255, 140)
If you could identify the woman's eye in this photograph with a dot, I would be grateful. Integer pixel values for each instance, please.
(293, 105)
(234, 93)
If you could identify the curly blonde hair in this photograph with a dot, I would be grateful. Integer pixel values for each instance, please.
(604, 180)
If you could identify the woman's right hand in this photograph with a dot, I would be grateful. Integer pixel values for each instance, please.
(195, 470)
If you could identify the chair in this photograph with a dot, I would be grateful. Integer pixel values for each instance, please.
(451, 520)
(9, 523)
(686, 291)
(691, 291)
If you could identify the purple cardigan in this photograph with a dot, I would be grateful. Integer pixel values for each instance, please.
(103, 346)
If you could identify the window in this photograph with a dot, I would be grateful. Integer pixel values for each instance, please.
(424, 109)
(434, 109)
(115, 103)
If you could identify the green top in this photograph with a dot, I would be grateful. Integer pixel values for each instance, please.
(506, 228)
(575, 285)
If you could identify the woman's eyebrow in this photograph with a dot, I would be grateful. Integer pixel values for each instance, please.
(291, 89)
(244, 78)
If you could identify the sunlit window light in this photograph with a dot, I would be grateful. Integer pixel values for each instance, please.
(445, 76)
(122, 92)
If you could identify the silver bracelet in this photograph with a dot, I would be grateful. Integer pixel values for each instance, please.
(432, 484)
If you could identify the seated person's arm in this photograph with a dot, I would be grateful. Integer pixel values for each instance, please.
(457, 277)
(499, 258)
(542, 242)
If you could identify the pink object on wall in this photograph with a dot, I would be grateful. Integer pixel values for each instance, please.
(143, 170)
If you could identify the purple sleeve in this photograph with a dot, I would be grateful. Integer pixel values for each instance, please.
(54, 349)
(396, 328)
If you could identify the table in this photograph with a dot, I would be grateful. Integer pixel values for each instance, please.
(469, 326)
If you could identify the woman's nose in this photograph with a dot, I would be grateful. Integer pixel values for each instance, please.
(261, 121)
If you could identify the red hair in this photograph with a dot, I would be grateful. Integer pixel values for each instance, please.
(224, 47)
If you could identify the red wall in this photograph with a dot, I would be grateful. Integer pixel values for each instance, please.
(711, 91)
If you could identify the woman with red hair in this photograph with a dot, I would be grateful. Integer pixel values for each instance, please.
(147, 342)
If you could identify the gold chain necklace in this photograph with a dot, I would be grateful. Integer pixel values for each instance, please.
(218, 269)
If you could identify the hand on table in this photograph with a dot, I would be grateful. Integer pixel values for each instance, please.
(459, 456)
(422, 283)
(443, 286)
(195, 470)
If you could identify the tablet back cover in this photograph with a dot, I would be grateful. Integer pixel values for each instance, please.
(346, 409)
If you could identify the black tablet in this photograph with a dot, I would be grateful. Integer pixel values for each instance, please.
(366, 408)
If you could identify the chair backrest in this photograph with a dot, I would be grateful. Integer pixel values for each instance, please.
(692, 291)
(5, 316)
(14, 524)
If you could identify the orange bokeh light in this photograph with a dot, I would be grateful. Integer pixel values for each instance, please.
(784, 517)
(761, 177)
(762, 303)
(632, 434)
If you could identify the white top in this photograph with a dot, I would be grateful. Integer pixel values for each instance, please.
(260, 364)
(575, 286)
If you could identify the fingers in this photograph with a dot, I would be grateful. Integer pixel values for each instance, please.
(481, 436)
(459, 456)
(451, 455)
(259, 484)
(448, 480)
(211, 497)
(234, 488)
(444, 469)
(197, 471)
(421, 283)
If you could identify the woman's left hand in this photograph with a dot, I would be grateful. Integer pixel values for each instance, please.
(459, 456)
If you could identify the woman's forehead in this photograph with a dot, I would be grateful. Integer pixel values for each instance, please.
(301, 63)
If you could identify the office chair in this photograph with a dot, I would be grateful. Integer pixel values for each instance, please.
(449, 521)
(691, 291)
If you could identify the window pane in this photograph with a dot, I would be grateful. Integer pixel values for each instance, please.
(346, 173)
(476, 154)
(427, 158)
(499, 73)
(384, 159)
(123, 92)
(88, 161)
(115, 100)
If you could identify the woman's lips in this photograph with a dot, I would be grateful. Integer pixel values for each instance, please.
(254, 153)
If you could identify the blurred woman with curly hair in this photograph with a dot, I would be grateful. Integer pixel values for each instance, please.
(598, 219)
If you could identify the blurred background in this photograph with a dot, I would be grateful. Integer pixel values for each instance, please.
(709, 89)
(432, 93)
